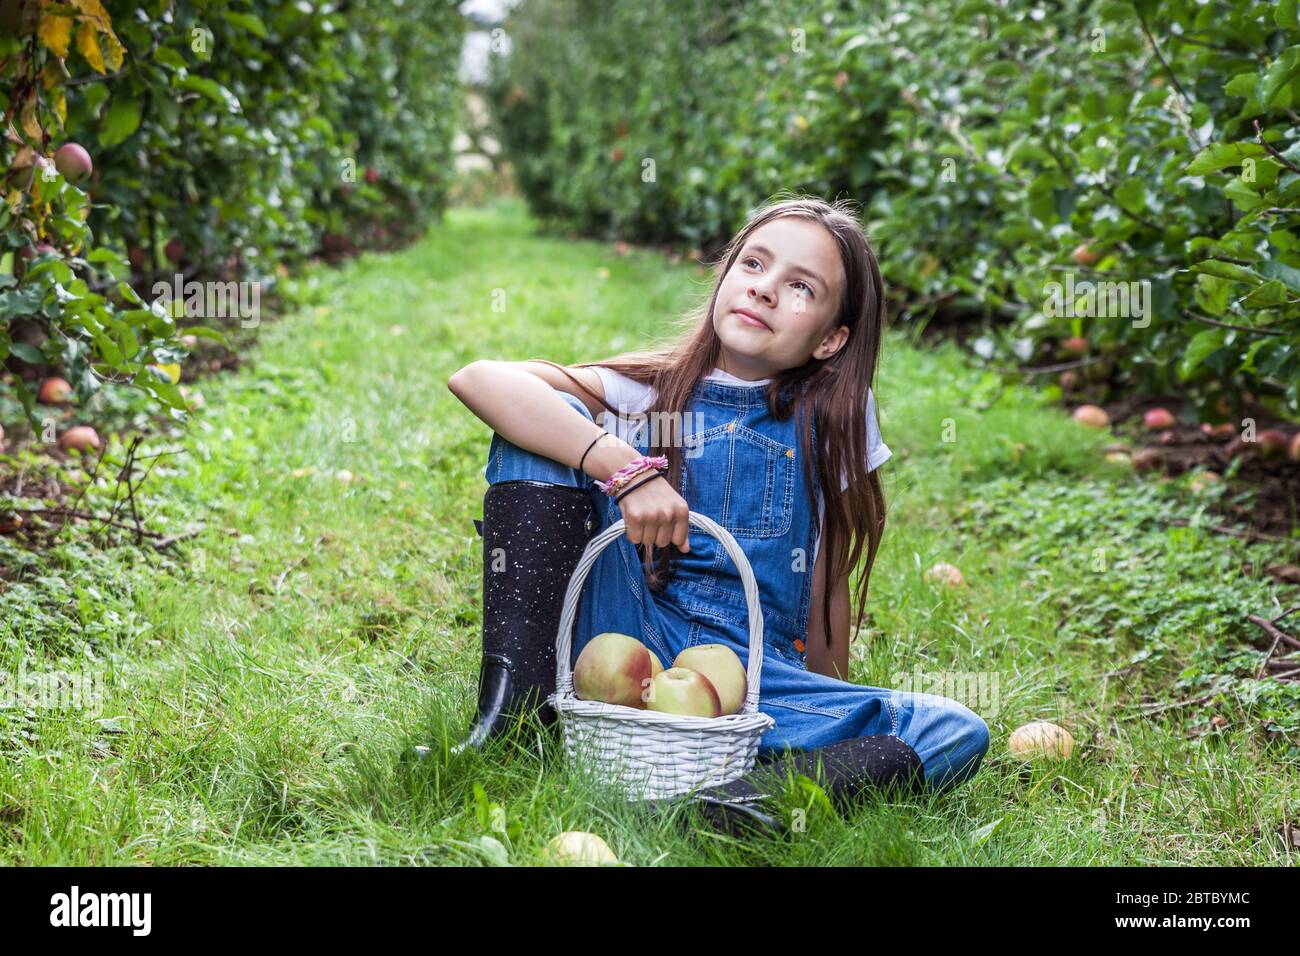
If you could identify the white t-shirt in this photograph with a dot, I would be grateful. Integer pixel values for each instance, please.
(630, 397)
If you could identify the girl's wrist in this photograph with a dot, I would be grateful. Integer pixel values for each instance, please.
(628, 473)
(608, 455)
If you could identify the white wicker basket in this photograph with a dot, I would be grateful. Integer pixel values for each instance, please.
(650, 754)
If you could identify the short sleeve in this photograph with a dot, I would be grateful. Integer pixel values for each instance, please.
(877, 451)
(627, 395)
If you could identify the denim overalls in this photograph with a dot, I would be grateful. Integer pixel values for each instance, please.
(742, 468)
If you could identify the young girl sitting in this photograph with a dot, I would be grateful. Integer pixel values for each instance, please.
(760, 415)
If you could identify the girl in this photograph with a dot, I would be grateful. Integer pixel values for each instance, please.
(764, 396)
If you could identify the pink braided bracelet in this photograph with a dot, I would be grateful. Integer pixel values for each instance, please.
(636, 466)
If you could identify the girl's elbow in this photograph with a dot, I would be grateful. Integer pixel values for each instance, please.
(461, 377)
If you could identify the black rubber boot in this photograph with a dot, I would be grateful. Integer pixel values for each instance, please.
(534, 534)
(847, 771)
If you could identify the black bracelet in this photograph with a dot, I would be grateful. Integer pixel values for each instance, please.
(628, 491)
(590, 447)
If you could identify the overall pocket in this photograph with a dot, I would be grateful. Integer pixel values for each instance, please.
(741, 479)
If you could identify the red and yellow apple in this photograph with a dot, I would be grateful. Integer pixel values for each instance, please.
(79, 438)
(612, 668)
(1272, 441)
(722, 667)
(54, 391)
(683, 692)
(1093, 416)
(1158, 418)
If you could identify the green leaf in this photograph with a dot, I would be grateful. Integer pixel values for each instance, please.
(120, 120)
(247, 21)
(1242, 196)
(1284, 69)
(1202, 345)
(1285, 14)
(1269, 295)
(169, 57)
(1243, 84)
(1131, 195)
(209, 88)
(1217, 156)
(27, 353)
(980, 837)
(1225, 270)
(1288, 275)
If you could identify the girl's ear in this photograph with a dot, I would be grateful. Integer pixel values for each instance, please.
(832, 343)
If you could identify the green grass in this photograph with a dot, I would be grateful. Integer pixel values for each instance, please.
(259, 694)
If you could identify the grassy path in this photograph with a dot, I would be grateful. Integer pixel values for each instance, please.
(324, 624)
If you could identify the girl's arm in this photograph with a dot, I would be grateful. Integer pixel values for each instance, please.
(832, 661)
(517, 400)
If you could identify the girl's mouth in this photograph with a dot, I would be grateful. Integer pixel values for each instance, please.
(747, 319)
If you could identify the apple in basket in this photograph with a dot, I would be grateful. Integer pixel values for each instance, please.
(683, 692)
(722, 667)
(613, 668)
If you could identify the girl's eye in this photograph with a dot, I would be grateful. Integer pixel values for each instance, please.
(807, 287)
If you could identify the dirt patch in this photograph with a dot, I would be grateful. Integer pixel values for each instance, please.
(1273, 479)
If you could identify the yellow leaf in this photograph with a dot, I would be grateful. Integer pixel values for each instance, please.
(15, 200)
(30, 123)
(113, 52)
(88, 44)
(55, 32)
(60, 101)
(94, 11)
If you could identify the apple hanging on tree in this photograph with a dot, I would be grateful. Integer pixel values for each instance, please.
(1085, 255)
(72, 160)
(54, 391)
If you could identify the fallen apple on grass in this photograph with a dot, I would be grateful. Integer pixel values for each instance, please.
(1158, 418)
(613, 668)
(578, 848)
(1272, 442)
(683, 692)
(79, 438)
(1041, 739)
(1222, 430)
(1093, 416)
(944, 573)
(723, 669)
(1147, 459)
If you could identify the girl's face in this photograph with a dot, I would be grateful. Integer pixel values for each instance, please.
(788, 275)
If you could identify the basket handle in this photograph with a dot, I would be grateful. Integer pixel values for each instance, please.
(564, 639)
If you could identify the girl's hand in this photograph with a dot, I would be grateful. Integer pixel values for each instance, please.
(656, 515)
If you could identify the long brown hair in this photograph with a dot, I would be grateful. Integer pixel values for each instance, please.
(836, 388)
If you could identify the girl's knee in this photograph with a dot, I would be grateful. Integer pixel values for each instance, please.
(509, 462)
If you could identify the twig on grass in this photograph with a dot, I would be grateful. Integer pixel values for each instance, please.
(1272, 631)
(105, 520)
(279, 582)
(1248, 534)
(1148, 710)
(168, 542)
(1045, 369)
